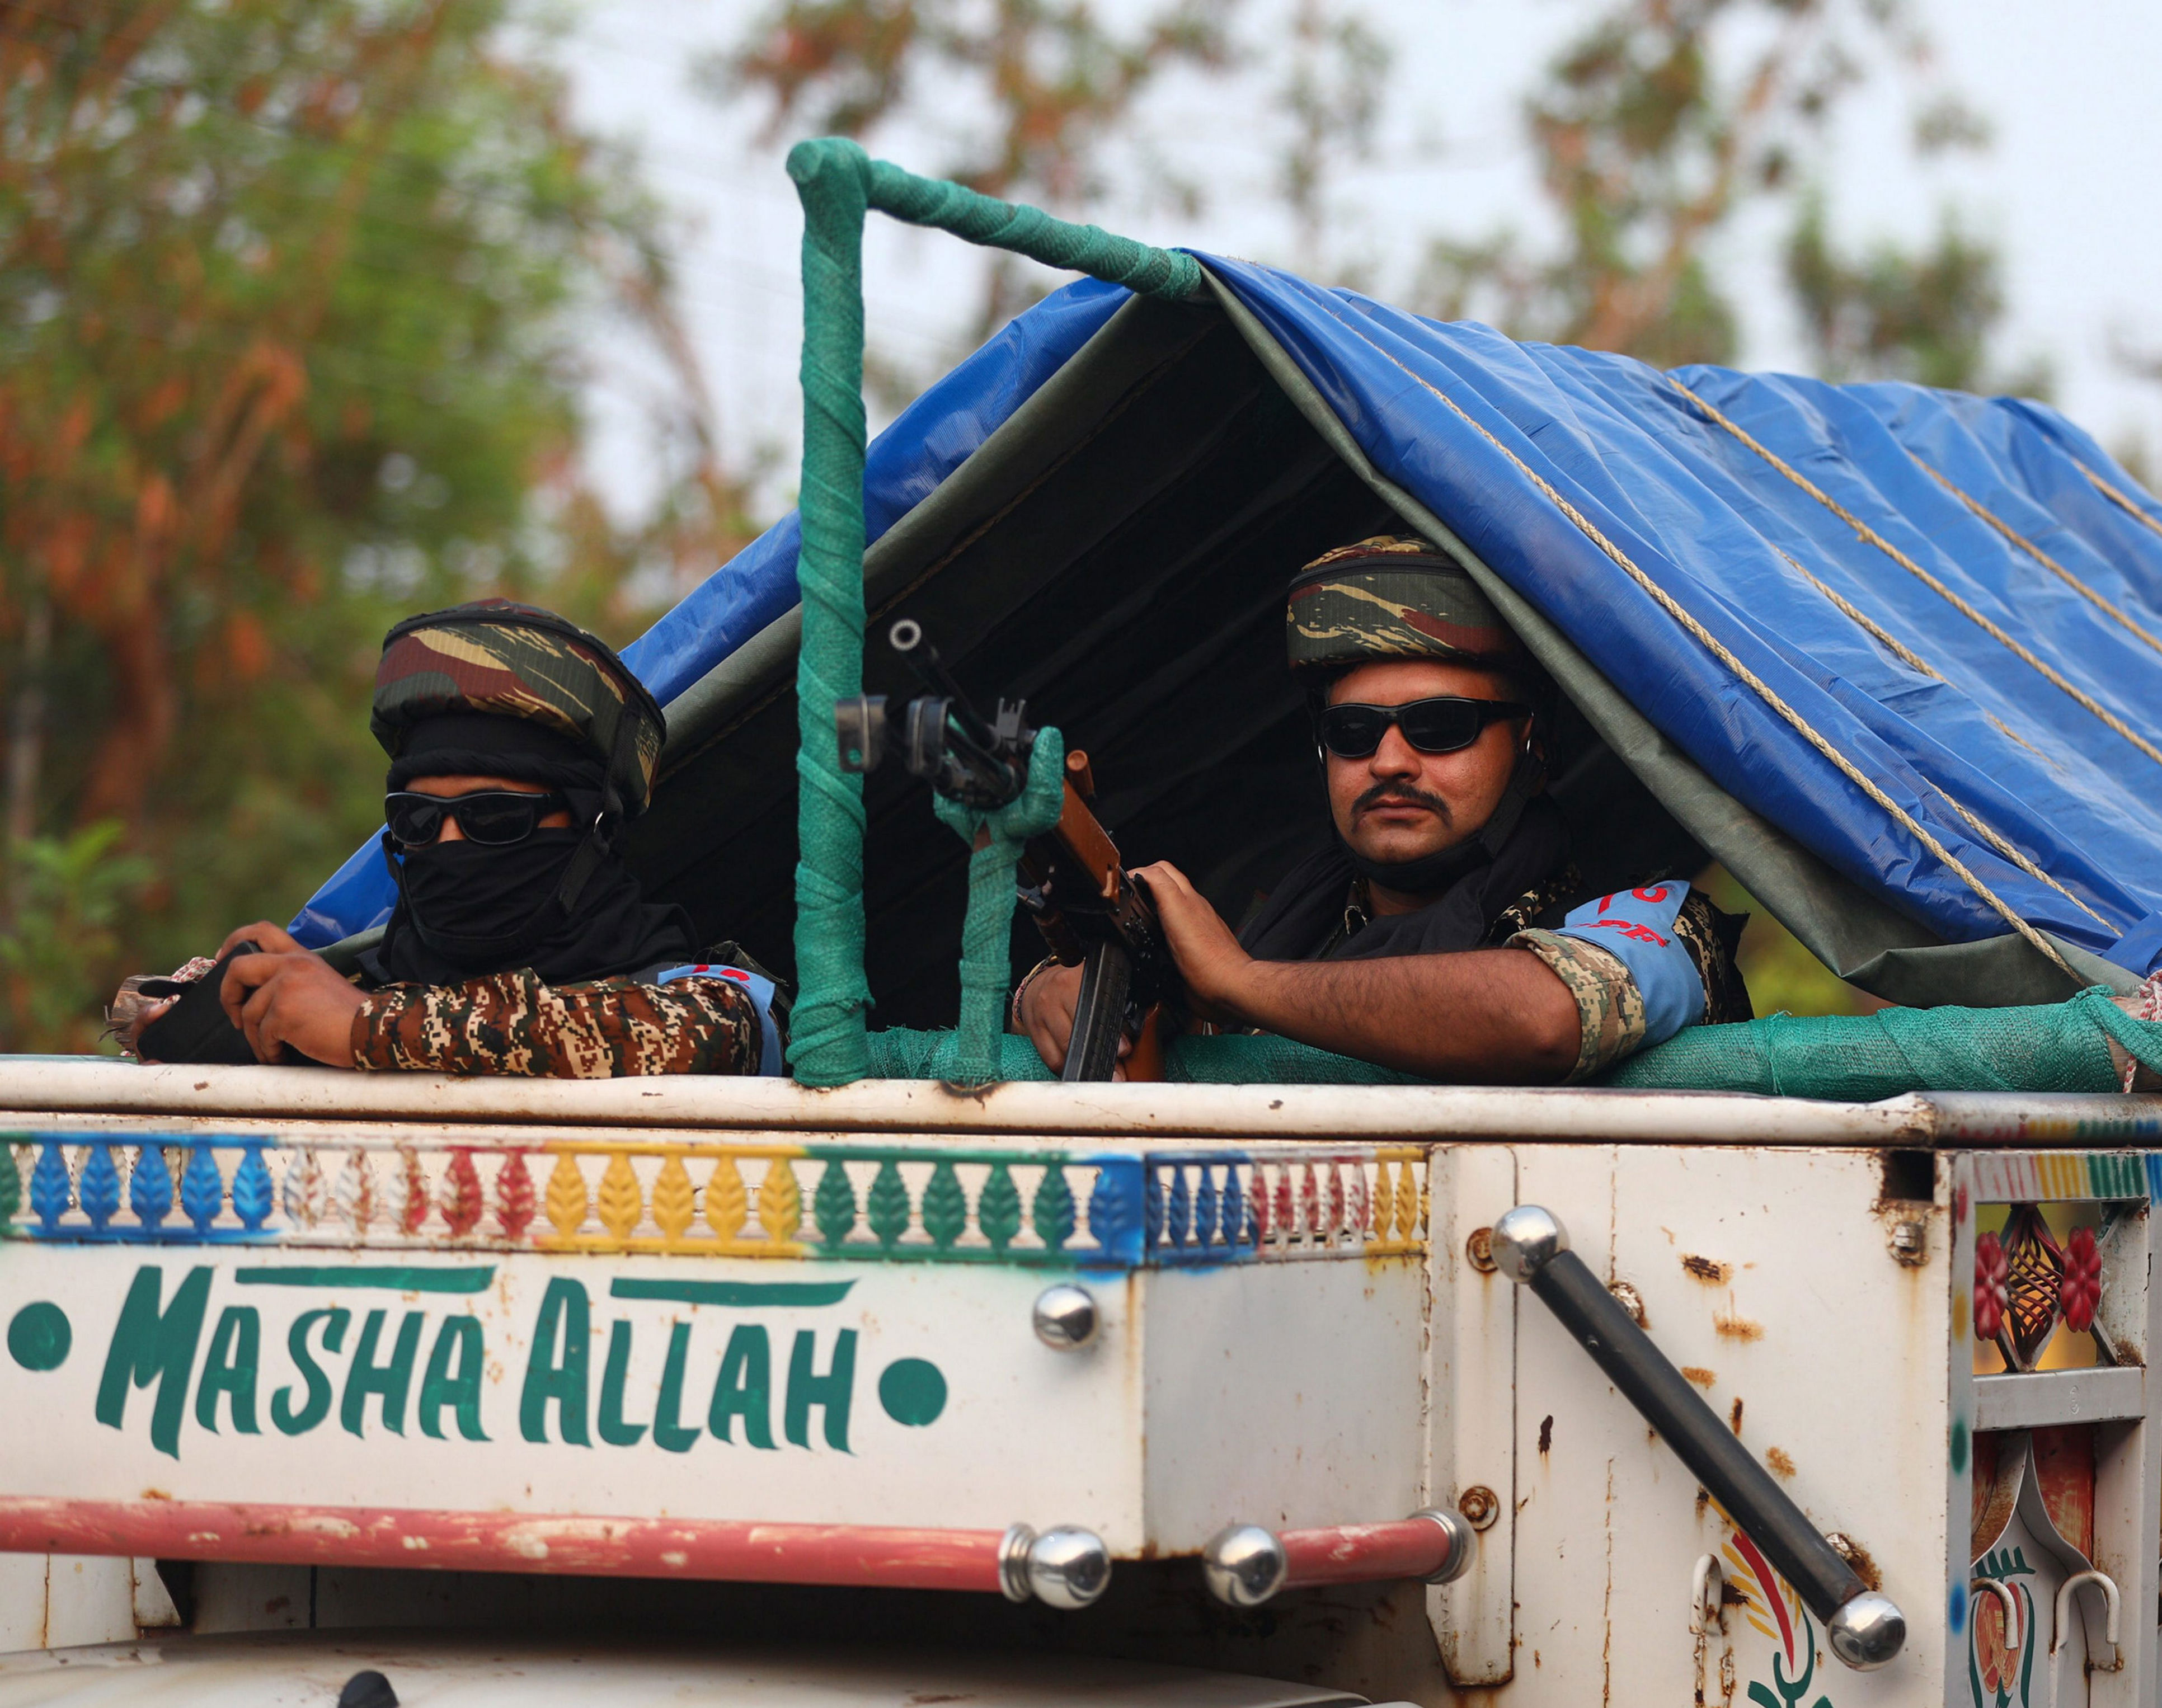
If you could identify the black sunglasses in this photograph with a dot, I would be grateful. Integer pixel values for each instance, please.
(492, 817)
(1443, 724)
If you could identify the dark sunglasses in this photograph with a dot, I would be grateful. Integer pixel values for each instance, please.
(1443, 724)
(492, 817)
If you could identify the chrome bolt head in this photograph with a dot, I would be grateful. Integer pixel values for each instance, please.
(1065, 1317)
(1525, 1240)
(1069, 1568)
(1867, 1631)
(1243, 1564)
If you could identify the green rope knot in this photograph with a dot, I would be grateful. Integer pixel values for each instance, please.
(987, 935)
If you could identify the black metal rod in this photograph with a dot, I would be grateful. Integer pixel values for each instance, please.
(1713, 1453)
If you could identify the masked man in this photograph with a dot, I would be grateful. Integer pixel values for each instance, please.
(1443, 933)
(519, 942)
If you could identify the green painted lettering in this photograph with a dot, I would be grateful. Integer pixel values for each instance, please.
(149, 1345)
(565, 1312)
(391, 1381)
(614, 1430)
(831, 1390)
(236, 1348)
(318, 1404)
(458, 1342)
(668, 1431)
(746, 1388)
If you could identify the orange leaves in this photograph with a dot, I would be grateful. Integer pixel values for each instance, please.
(247, 645)
(161, 402)
(156, 512)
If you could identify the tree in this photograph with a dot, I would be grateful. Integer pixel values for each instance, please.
(1051, 81)
(1333, 92)
(1648, 153)
(1893, 315)
(290, 293)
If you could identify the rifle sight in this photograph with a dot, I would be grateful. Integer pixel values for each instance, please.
(943, 737)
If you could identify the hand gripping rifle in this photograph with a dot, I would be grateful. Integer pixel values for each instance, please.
(1089, 909)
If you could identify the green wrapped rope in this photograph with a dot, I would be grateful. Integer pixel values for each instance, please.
(904, 1054)
(838, 183)
(2061, 1047)
(1859, 1058)
(994, 840)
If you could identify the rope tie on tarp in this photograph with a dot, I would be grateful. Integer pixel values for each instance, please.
(1762, 689)
(995, 841)
(1914, 660)
(1995, 630)
(839, 184)
(2039, 555)
(2123, 500)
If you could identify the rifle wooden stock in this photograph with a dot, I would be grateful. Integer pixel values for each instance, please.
(1094, 915)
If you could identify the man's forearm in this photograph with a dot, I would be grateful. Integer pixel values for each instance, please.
(512, 1023)
(1497, 1015)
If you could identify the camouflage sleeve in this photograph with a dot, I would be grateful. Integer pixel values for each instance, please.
(512, 1023)
(1610, 1009)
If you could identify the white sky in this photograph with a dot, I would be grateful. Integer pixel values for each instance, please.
(2070, 89)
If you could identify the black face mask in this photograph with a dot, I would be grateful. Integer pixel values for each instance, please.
(466, 910)
(478, 904)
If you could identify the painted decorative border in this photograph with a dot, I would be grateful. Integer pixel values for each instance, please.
(2028, 1177)
(898, 1203)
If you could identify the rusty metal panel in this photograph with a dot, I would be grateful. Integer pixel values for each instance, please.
(1770, 1277)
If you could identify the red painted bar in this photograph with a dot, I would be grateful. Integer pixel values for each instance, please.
(1364, 1554)
(844, 1554)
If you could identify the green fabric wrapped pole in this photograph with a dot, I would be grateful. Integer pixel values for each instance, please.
(1030, 231)
(826, 1045)
(838, 183)
(987, 934)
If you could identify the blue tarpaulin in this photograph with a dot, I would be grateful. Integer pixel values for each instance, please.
(1961, 596)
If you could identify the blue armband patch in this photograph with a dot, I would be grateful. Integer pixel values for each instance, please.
(1636, 927)
(769, 1062)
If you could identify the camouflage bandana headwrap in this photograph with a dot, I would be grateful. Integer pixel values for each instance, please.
(499, 689)
(515, 660)
(1391, 596)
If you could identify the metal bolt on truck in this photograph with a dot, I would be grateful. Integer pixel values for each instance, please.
(1798, 1363)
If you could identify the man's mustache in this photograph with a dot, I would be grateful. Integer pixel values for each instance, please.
(1401, 794)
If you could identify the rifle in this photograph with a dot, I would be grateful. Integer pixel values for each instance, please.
(1091, 912)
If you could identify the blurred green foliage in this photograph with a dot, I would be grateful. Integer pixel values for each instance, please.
(68, 893)
(1783, 976)
(292, 300)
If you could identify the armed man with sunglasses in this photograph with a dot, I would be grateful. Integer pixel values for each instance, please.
(519, 942)
(1443, 933)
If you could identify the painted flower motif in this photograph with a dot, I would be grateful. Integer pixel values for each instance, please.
(1992, 1270)
(2082, 1290)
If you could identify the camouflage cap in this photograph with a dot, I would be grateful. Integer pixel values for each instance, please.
(1391, 596)
(509, 660)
